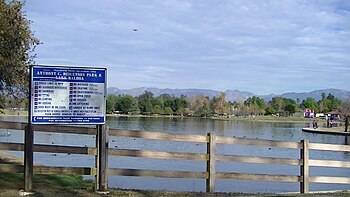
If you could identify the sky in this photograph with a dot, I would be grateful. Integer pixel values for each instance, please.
(261, 46)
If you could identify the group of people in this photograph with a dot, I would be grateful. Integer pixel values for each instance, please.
(315, 124)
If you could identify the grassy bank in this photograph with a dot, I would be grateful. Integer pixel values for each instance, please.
(270, 119)
(238, 118)
(8, 112)
(46, 185)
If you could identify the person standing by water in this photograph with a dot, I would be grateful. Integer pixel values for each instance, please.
(316, 124)
(313, 124)
(327, 120)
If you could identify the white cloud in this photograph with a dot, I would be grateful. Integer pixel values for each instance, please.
(261, 46)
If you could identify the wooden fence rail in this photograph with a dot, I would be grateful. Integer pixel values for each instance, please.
(13, 168)
(158, 136)
(49, 148)
(157, 154)
(102, 151)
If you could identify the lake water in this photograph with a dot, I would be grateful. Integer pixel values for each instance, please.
(246, 129)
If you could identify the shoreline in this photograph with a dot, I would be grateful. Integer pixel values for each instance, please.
(10, 159)
(235, 118)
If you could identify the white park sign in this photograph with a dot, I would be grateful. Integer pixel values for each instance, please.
(68, 95)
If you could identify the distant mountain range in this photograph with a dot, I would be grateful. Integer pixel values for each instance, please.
(231, 95)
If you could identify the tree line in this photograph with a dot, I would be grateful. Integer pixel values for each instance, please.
(203, 106)
(17, 44)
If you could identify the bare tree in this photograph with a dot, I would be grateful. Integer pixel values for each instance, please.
(344, 110)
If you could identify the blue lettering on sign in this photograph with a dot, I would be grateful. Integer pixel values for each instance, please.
(69, 75)
(62, 119)
(68, 95)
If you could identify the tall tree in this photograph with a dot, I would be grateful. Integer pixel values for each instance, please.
(290, 106)
(201, 106)
(180, 103)
(255, 105)
(157, 109)
(344, 110)
(278, 104)
(309, 103)
(17, 44)
(2, 103)
(145, 102)
(168, 111)
(220, 106)
(328, 103)
(129, 105)
(111, 102)
(334, 102)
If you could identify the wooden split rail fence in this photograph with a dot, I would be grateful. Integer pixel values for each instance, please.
(101, 170)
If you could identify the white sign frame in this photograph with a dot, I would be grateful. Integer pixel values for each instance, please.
(67, 95)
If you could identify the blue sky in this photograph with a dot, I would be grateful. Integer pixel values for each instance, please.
(261, 46)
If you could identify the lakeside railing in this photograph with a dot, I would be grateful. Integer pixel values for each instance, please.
(102, 152)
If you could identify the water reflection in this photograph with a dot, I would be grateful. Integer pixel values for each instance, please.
(195, 126)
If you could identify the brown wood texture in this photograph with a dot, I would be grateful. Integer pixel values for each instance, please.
(49, 128)
(329, 163)
(329, 147)
(14, 168)
(210, 157)
(158, 136)
(156, 173)
(157, 154)
(260, 160)
(11, 146)
(256, 142)
(12, 125)
(64, 170)
(65, 129)
(257, 177)
(326, 179)
(102, 131)
(304, 168)
(28, 157)
(49, 148)
(210, 181)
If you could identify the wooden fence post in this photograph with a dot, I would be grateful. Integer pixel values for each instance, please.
(28, 142)
(28, 158)
(101, 159)
(97, 161)
(210, 182)
(304, 167)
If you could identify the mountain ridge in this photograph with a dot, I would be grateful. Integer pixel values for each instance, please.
(231, 95)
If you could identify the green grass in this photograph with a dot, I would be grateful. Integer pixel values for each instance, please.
(13, 180)
(46, 185)
(10, 180)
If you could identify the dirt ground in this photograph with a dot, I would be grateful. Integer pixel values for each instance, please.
(141, 193)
